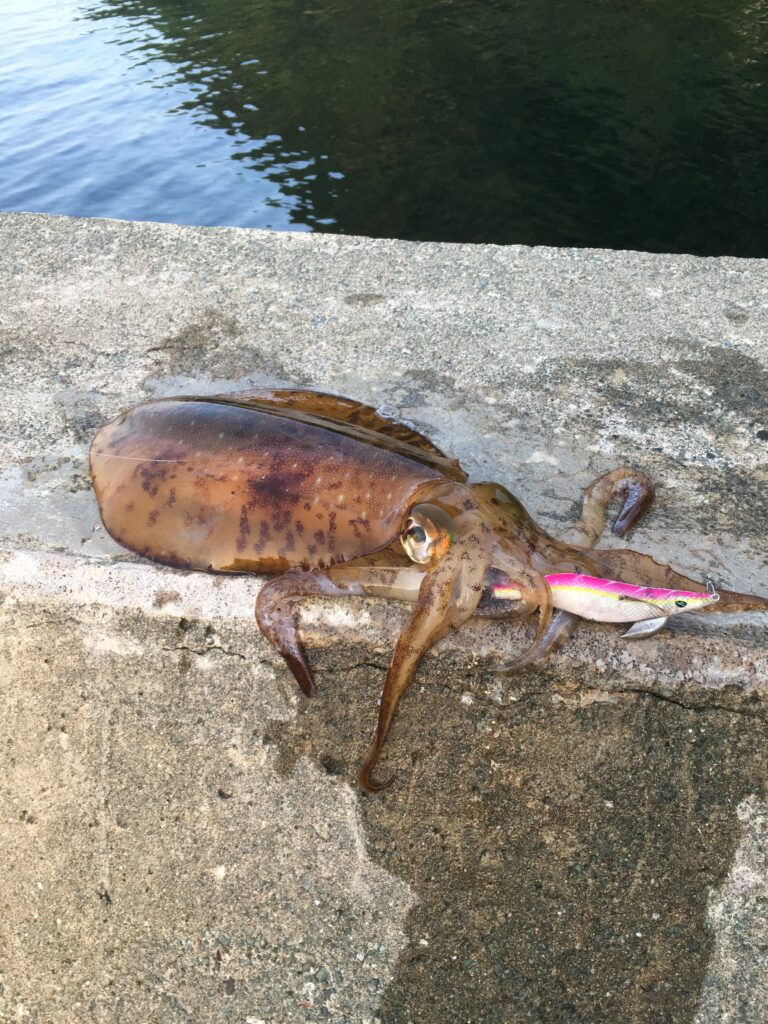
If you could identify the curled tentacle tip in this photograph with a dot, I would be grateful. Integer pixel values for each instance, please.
(624, 523)
(638, 497)
(302, 673)
(306, 682)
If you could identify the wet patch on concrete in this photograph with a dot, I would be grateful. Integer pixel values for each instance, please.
(560, 852)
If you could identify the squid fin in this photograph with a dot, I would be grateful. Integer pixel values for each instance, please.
(644, 628)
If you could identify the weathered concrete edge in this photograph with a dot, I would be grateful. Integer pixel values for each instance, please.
(711, 662)
(717, 654)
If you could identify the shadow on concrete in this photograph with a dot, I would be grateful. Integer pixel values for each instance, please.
(561, 854)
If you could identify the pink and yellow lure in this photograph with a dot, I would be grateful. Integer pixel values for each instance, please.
(600, 600)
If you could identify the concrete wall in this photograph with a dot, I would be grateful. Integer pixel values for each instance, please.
(180, 834)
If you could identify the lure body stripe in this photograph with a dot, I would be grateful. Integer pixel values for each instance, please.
(600, 600)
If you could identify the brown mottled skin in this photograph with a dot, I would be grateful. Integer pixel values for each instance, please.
(270, 481)
(226, 487)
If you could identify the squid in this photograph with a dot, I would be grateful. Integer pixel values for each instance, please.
(334, 499)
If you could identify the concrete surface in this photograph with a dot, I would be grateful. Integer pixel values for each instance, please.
(181, 840)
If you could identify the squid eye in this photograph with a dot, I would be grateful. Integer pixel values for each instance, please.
(416, 535)
(427, 533)
(680, 604)
(416, 541)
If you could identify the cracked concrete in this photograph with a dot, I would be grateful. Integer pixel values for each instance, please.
(181, 836)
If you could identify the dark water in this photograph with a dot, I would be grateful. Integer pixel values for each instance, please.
(624, 123)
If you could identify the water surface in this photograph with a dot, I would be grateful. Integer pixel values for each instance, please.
(621, 123)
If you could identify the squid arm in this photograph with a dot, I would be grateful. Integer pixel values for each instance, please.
(448, 596)
(561, 628)
(626, 564)
(632, 486)
(277, 604)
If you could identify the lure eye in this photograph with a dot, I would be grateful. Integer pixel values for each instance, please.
(426, 534)
(680, 604)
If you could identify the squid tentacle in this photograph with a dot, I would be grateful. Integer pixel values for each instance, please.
(276, 615)
(632, 485)
(536, 592)
(546, 608)
(620, 563)
(560, 629)
(448, 596)
(637, 491)
(277, 610)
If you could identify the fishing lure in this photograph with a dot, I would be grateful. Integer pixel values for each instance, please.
(338, 500)
(649, 608)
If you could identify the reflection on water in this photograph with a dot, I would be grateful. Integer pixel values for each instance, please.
(622, 123)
